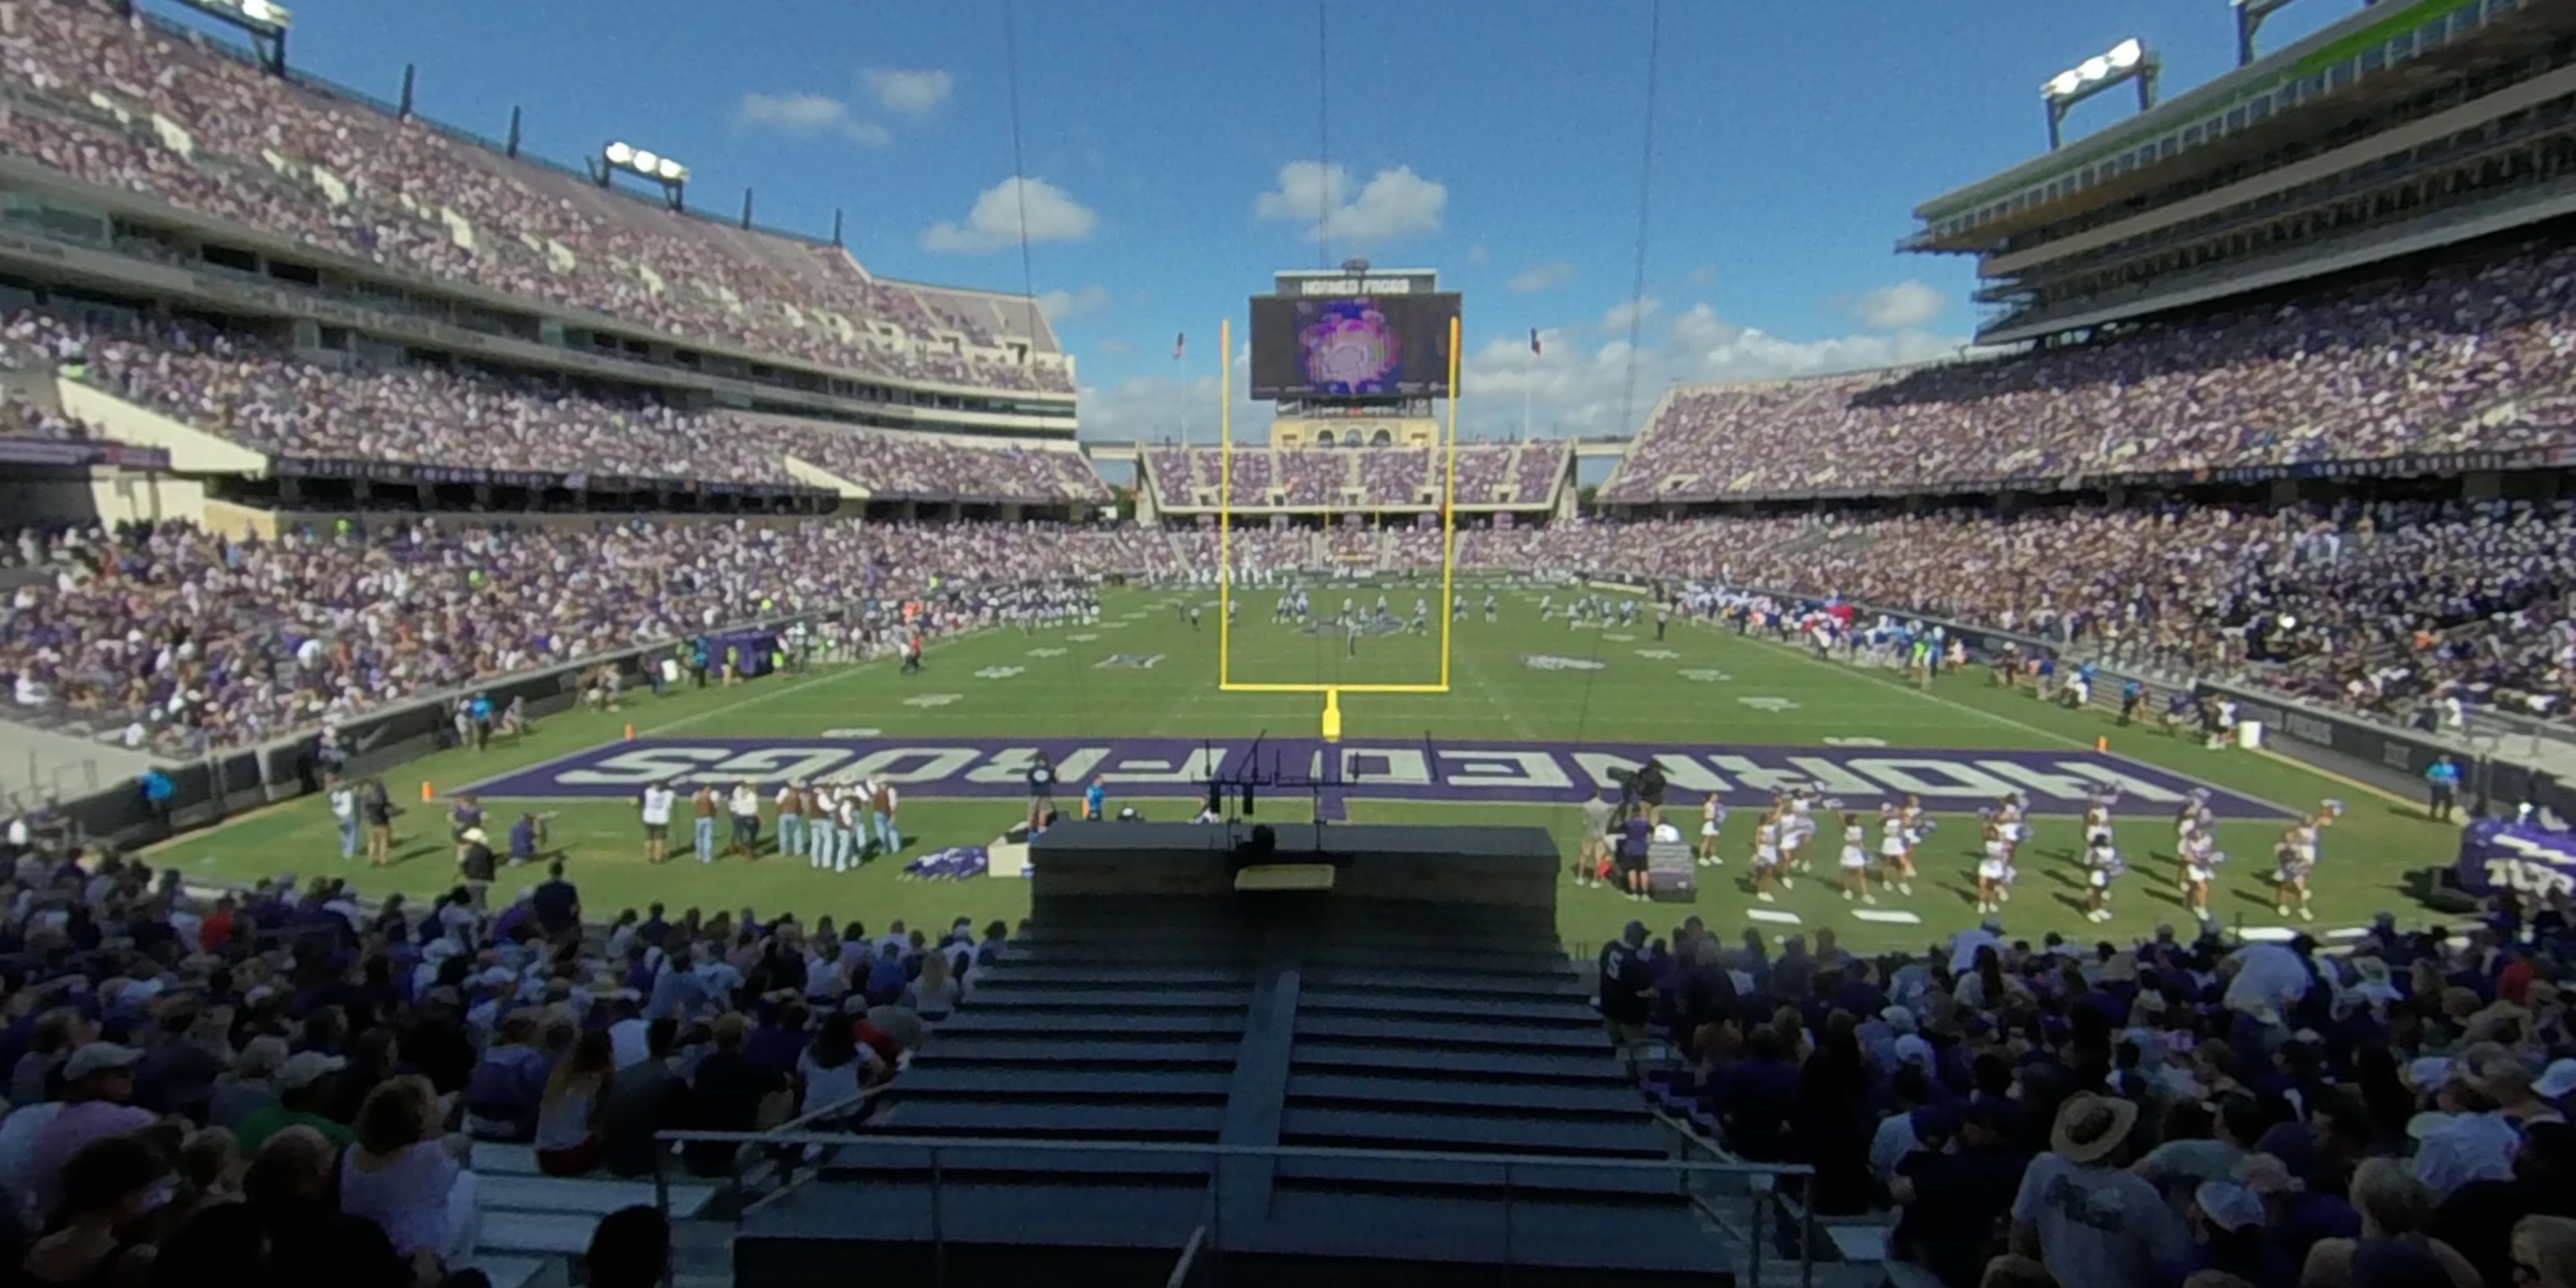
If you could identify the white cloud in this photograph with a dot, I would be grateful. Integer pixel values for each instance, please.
(1059, 305)
(994, 222)
(1628, 313)
(1115, 348)
(1908, 303)
(1539, 277)
(1574, 390)
(913, 93)
(1394, 203)
(1161, 408)
(807, 116)
(1703, 274)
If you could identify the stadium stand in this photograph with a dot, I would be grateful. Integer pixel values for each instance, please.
(132, 106)
(1518, 476)
(183, 640)
(2473, 357)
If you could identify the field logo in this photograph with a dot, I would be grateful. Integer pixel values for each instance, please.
(999, 672)
(1855, 742)
(1130, 661)
(1658, 654)
(1084, 638)
(1769, 704)
(851, 733)
(931, 699)
(1551, 662)
(1620, 639)
(1702, 675)
(1046, 652)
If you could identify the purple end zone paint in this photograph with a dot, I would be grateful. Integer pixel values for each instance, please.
(1463, 772)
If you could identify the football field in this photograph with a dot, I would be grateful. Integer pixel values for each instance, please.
(1538, 716)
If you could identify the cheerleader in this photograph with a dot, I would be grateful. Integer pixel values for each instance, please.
(1712, 816)
(1797, 827)
(1895, 850)
(1991, 870)
(1766, 858)
(2200, 858)
(2097, 817)
(2009, 826)
(2291, 862)
(1855, 860)
(2103, 865)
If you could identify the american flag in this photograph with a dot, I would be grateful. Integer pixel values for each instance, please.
(1534, 346)
(1180, 344)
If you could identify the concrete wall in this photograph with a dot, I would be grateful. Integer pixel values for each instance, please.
(192, 450)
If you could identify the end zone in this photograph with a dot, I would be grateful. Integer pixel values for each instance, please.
(1453, 772)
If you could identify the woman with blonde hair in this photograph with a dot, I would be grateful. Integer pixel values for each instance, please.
(936, 993)
(2395, 1210)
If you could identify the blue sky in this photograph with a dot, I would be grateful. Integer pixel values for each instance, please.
(1499, 142)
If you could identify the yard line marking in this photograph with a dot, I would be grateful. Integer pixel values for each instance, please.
(1887, 916)
(1776, 918)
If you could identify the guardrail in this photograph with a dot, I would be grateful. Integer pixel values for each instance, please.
(1709, 1184)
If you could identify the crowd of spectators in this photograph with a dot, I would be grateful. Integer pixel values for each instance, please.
(2471, 356)
(1385, 477)
(2109, 1116)
(280, 405)
(180, 639)
(2392, 608)
(283, 1086)
(129, 105)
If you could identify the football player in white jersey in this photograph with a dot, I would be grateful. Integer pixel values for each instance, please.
(1712, 818)
(1855, 860)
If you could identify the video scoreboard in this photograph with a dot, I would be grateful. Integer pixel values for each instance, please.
(1352, 334)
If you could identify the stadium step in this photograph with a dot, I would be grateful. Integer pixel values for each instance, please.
(596, 1198)
(524, 1272)
(535, 1234)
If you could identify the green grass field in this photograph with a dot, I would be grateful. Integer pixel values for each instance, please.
(1698, 687)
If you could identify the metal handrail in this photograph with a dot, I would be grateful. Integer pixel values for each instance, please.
(1212, 1150)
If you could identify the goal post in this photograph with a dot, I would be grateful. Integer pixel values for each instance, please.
(1448, 465)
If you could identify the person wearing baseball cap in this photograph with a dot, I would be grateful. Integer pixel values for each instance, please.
(303, 1088)
(2083, 1214)
(2227, 1236)
(98, 1086)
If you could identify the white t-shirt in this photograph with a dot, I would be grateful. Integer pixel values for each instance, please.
(657, 804)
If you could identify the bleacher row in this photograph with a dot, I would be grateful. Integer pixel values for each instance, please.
(2473, 356)
(134, 106)
(276, 404)
(1514, 474)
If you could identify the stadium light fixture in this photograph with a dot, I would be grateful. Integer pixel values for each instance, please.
(644, 163)
(2249, 21)
(264, 21)
(2130, 62)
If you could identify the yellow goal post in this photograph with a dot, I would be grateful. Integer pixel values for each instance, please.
(1225, 681)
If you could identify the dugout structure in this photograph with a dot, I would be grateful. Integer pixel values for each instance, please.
(1448, 466)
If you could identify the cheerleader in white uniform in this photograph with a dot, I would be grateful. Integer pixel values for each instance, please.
(2103, 865)
(1712, 816)
(1894, 853)
(2292, 860)
(1766, 858)
(1990, 871)
(2009, 827)
(2097, 818)
(1797, 828)
(2200, 858)
(1855, 860)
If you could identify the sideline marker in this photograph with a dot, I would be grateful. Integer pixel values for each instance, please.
(2102, 743)
(426, 796)
(630, 733)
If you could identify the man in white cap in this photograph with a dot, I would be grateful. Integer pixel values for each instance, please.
(98, 1083)
(2082, 1213)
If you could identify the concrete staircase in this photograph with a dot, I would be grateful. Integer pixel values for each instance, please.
(535, 1226)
